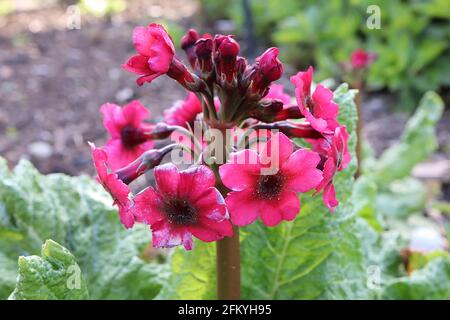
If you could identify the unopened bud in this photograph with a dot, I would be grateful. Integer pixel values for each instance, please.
(188, 45)
(147, 161)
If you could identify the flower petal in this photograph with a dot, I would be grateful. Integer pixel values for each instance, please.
(276, 151)
(194, 182)
(242, 207)
(138, 64)
(166, 235)
(135, 113)
(167, 179)
(301, 170)
(113, 119)
(241, 171)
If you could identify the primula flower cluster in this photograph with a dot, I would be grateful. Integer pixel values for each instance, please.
(251, 169)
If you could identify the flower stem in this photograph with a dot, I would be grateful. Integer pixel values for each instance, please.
(229, 267)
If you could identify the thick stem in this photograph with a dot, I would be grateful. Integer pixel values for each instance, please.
(229, 267)
(228, 256)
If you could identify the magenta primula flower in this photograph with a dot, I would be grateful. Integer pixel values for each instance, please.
(361, 59)
(155, 53)
(273, 197)
(184, 112)
(129, 134)
(183, 204)
(118, 190)
(318, 107)
(334, 149)
(276, 91)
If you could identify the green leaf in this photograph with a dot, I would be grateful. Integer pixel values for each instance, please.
(193, 273)
(430, 282)
(53, 276)
(77, 213)
(418, 141)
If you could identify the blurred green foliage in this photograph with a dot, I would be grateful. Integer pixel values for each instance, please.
(412, 43)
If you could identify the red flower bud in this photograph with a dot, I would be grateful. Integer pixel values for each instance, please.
(226, 53)
(187, 79)
(267, 69)
(203, 51)
(187, 44)
(147, 161)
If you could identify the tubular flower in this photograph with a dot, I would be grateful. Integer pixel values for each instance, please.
(129, 134)
(183, 204)
(183, 112)
(118, 190)
(334, 150)
(259, 191)
(155, 53)
(318, 108)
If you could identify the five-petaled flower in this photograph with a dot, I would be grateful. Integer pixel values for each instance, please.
(334, 150)
(155, 53)
(318, 108)
(129, 134)
(183, 204)
(118, 190)
(269, 194)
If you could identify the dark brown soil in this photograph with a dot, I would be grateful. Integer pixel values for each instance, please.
(53, 81)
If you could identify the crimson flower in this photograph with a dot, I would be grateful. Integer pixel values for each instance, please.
(183, 204)
(334, 149)
(273, 196)
(276, 91)
(361, 59)
(155, 53)
(318, 108)
(118, 190)
(128, 132)
(183, 112)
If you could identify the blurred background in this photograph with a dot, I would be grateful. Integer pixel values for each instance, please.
(60, 60)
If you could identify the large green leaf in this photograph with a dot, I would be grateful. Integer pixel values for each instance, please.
(77, 213)
(55, 275)
(430, 282)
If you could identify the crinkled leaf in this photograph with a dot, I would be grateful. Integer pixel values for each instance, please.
(77, 213)
(55, 275)
(430, 282)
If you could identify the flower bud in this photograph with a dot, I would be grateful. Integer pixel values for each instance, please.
(268, 68)
(188, 45)
(179, 72)
(203, 51)
(226, 53)
(147, 161)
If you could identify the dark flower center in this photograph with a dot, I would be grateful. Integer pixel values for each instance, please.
(269, 186)
(309, 103)
(180, 212)
(131, 136)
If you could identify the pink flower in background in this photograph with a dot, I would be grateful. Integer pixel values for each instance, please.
(118, 190)
(183, 204)
(318, 108)
(155, 53)
(361, 59)
(128, 133)
(335, 150)
(276, 91)
(183, 112)
(273, 197)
